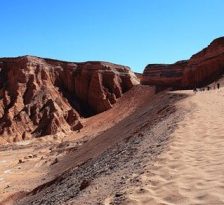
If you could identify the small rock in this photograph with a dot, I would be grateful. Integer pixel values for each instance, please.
(30, 156)
(140, 135)
(85, 183)
(7, 187)
(118, 194)
(141, 190)
(55, 161)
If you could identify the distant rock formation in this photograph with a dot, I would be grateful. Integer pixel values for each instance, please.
(205, 66)
(165, 75)
(43, 96)
(138, 75)
(200, 70)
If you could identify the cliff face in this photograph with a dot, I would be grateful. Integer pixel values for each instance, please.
(42, 96)
(201, 69)
(205, 66)
(164, 74)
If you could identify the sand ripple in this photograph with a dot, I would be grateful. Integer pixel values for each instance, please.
(191, 171)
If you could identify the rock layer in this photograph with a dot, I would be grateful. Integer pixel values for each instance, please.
(43, 96)
(200, 70)
(205, 66)
(164, 74)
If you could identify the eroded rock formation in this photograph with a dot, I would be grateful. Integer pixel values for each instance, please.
(205, 66)
(43, 96)
(200, 70)
(164, 74)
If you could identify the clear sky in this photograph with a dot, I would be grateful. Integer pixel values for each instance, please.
(129, 32)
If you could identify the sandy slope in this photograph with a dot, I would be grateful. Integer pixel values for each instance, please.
(34, 171)
(168, 150)
(115, 158)
(191, 171)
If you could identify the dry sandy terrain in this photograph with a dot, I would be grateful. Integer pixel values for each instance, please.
(112, 161)
(168, 150)
(191, 170)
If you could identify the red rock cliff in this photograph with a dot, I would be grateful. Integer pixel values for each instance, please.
(164, 74)
(202, 68)
(205, 66)
(42, 96)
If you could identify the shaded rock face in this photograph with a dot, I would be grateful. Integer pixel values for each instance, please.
(200, 70)
(42, 96)
(205, 66)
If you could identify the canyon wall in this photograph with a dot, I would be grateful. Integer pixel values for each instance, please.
(43, 96)
(200, 70)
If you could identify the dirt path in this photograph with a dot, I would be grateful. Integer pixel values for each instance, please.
(191, 171)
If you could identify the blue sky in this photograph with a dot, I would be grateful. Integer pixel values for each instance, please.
(129, 32)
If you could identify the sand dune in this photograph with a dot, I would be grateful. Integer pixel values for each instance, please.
(191, 170)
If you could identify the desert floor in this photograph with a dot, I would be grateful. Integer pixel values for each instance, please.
(161, 149)
(191, 170)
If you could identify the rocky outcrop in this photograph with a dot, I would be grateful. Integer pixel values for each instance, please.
(200, 70)
(139, 76)
(43, 96)
(165, 75)
(205, 66)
